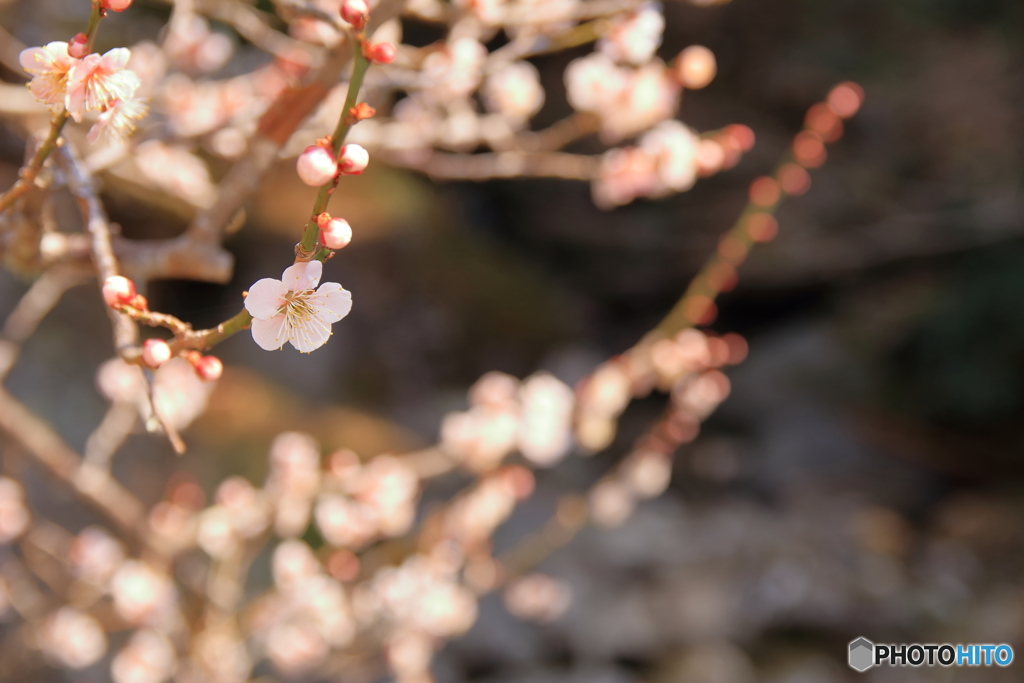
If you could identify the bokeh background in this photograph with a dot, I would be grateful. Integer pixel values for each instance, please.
(864, 477)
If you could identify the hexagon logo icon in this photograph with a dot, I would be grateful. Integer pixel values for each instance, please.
(862, 654)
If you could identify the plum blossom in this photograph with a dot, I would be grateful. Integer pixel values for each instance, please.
(95, 82)
(49, 66)
(118, 120)
(292, 310)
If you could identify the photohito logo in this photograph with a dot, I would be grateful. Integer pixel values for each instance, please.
(864, 654)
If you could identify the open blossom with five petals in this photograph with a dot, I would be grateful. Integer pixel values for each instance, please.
(97, 81)
(294, 310)
(49, 66)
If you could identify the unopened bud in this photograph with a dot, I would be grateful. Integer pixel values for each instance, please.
(116, 5)
(155, 352)
(353, 159)
(362, 111)
(77, 46)
(382, 53)
(209, 368)
(316, 166)
(336, 233)
(118, 291)
(355, 12)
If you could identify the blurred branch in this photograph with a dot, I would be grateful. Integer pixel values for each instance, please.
(94, 486)
(126, 333)
(447, 166)
(10, 51)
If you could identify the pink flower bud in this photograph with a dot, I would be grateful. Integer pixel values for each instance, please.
(382, 53)
(336, 233)
(77, 46)
(155, 352)
(116, 5)
(355, 12)
(209, 368)
(353, 159)
(118, 291)
(316, 166)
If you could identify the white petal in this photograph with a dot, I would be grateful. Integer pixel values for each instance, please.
(270, 334)
(331, 302)
(303, 275)
(115, 59)
(265, 298)
(310, 335)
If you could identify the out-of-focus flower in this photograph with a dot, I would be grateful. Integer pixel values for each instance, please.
(73, 639)
(209, 368)
(247, 506)
(118, 291)
(515, 92)
(95, 555)
(695, 67)
(155, 352)
(290, 310)
(409, 653)
(611, 503)
(216, 533)
(355, 12)
(118, 120)
(49, 66)
(646, 473)
(345, 522)
(178, 394)
(14, 517)
(593, 81)
(538, 597)
(222, 654)
(545, 419)
(674, 149)
(295, 647)
(176, 171)
(316, 166)
(634, 37)
(195, 48)
(454, 72)
(292, 563)
(142, 595)
(649, 96)
(96, 81)
(148, 657)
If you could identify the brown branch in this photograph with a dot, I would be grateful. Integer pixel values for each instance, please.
(92, 485)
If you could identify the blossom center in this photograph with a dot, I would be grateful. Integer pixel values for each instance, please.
(297, 308)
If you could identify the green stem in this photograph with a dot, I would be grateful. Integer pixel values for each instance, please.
(360, 65)
(27, 176)
(232, 325)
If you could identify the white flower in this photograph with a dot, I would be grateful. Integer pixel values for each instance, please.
(290, 310)
(49, 66)
(96, 81)
(118, 120)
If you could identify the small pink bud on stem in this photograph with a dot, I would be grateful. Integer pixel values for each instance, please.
(335, 233)
(116, 5)
(316, 166)
(155, 352)
(355, 12)
(361, 112)
(208, 368)
(77, 46)
(382, 53)
(352, 159)
(118, 291)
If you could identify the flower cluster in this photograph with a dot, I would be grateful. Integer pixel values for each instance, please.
(68, 80)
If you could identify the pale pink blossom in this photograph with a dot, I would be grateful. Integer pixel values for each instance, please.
(116, 5)
(593, 82)
(119, 119)
(149, 657)
(515, 92)
(118, 290)
(73, 639)
(674, 148)
(291, 310)
(650, 95)
(95, 555)
(49, 66)
(96, 81)
(538, 597)
(633, 38)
